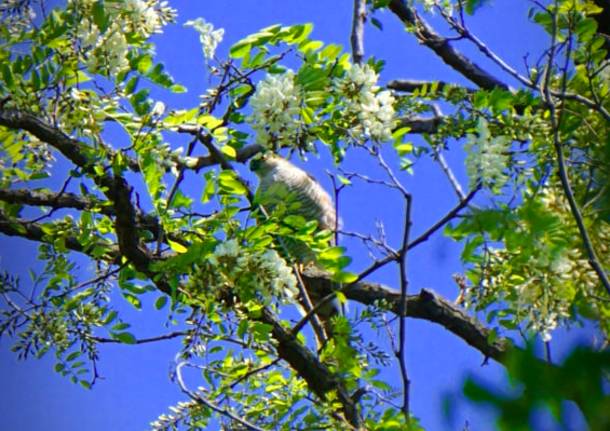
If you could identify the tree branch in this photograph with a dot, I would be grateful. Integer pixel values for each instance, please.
(357, 37)
(35, 232)
(54, 200)
(318, 376)
(412, 85)
(441, 46)
(116, 189)
(426, 305)
(421, 125)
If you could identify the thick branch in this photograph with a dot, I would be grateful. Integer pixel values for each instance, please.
(35, 232)
(243, 154)
(319, 378)
(357, 37)
(426, 305)
(421, 125)
(116, 189)
(45, 198)
(441, 46)
(412, 85)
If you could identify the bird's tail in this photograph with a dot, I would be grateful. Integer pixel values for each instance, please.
(327, 307)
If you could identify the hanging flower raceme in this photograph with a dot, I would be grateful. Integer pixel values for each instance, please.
(487, 157)
(209, 38)
(276, 107)
(368, 112)
(247, 273)
(107, 48)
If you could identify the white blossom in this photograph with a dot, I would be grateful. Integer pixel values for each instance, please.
(369, 111)
(245, 270)
(486, 157)
(107, 52)
(284, 280)
(158, 109)
(276, 106)
(209, 38)
(144, 17)
(228, 248)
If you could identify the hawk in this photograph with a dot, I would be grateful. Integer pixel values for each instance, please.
(285, 188)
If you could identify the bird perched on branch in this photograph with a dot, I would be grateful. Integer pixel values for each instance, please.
(288, 191)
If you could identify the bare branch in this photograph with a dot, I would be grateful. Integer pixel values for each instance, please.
(202, 400)
(426, 305)
(54, 200)
(442, 47)
(357, 37)
(411, 85)
(445, 219)
(163, 337)
(421, 125)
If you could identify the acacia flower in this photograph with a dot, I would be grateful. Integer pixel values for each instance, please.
(209, 38)
(276, 106)
(369, 112)
(486, 157)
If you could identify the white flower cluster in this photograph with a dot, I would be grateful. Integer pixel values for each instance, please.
(266, 273)
(276, 105)
(209, 38)
(284, 280)
(369, 111)
(486, 157)
(145, 19)
(107, 51)
(179, 412)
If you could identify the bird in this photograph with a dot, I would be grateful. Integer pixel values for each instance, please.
(287, 190)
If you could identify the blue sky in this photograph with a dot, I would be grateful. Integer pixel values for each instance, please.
(136, 386)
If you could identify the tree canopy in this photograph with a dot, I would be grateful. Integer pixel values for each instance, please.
(101, 170)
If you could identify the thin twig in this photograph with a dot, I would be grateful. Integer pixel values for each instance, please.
(445, 219)
(562, 169)
(202, 400)
(163, 337)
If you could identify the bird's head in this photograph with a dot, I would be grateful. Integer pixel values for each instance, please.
(261, 164)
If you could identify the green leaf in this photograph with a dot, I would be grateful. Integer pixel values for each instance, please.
(240, 50)
(72, 356)
(100, 18)
(120, 326)
(343, 180)
(332, 253)
(124, 337)
(177, 247)
(161, 302)
(345, 277)
(377, 23)
(144, 63)
(133, 300)
(229, 183)
(229, 151)
(176, 118)
(177, 88)
(261, 331)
